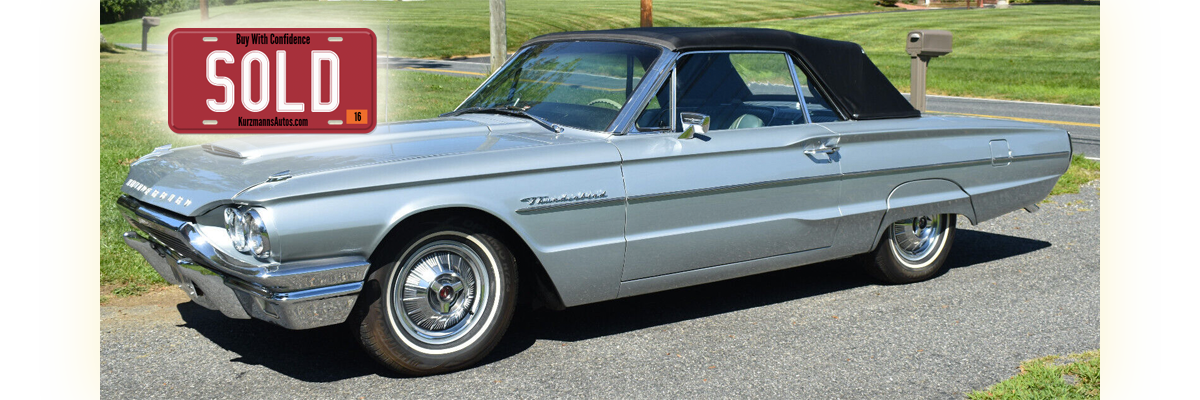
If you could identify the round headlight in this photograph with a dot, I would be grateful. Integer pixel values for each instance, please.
(257, 240)
(235, 226)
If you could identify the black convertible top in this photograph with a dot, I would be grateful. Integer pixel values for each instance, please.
(850, 78)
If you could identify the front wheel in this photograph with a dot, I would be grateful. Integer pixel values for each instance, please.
(443, 303)
(913, 249)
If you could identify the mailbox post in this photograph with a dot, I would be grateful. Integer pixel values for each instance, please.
(147, 23)
(921, 46)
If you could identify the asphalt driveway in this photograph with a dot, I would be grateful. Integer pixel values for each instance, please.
(1017, 287)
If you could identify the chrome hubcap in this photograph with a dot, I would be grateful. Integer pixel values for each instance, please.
(444, 290)
(917, 238)
(439, 291)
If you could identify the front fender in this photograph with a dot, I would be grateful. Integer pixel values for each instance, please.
(580, 244)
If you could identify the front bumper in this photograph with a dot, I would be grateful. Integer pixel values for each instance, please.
(297, 295)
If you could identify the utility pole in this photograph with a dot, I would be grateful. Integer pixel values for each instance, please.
(204, 10)
(387, 45)
(647, 13)
(499, 33)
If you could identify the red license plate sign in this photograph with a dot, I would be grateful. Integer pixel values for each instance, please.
(271, 80)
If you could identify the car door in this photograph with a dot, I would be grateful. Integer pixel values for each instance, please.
(763, 181)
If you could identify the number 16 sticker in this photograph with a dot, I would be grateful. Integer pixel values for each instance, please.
(356, 116)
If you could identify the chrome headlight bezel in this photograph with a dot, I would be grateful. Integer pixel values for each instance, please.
(235, 227)
(258, 240)
(247, 230)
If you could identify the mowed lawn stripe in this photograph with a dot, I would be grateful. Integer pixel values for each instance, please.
(444, 28)
(1047, 53)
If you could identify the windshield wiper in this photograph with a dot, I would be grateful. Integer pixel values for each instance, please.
(508, 110)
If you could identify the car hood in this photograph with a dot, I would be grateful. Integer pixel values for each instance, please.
(192, 180)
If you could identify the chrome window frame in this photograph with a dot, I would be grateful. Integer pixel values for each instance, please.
(663, 69)
(633, 128)
(674, 95)
(799, 93)
(628, 123)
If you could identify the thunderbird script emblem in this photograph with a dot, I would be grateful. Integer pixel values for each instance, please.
(565, 198)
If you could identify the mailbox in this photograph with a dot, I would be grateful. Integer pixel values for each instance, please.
(923, 45)
(928, 43)
(147, 23)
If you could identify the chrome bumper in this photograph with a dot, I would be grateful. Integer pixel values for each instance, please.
(298, 295)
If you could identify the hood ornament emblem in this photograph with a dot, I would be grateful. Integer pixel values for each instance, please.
(280, 176)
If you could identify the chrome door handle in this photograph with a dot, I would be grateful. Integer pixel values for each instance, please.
(823, 150)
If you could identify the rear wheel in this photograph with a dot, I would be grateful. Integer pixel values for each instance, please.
(443, 303)
(913, 249)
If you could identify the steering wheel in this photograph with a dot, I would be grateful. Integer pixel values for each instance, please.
(605, 101)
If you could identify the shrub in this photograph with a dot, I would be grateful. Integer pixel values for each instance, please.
(120, 10)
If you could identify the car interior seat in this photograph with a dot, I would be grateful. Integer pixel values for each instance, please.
(746, 121)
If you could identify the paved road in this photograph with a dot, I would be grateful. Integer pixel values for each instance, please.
(1017, 287)
(1082, 121)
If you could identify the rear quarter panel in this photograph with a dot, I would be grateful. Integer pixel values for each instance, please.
(879, 156)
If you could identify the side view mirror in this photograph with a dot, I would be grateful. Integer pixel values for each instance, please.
(693, 123)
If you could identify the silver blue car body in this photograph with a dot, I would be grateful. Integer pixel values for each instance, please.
(606, 213)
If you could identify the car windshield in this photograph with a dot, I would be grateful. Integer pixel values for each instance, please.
(577, 84)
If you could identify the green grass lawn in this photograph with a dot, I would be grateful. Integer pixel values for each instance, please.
(443, 28)
(1045, 53)
(1054, 377)
(133, 121)
(1081, 171)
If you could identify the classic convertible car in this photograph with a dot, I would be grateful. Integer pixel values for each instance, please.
(592, 166)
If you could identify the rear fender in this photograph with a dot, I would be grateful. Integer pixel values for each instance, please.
(925, 197)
